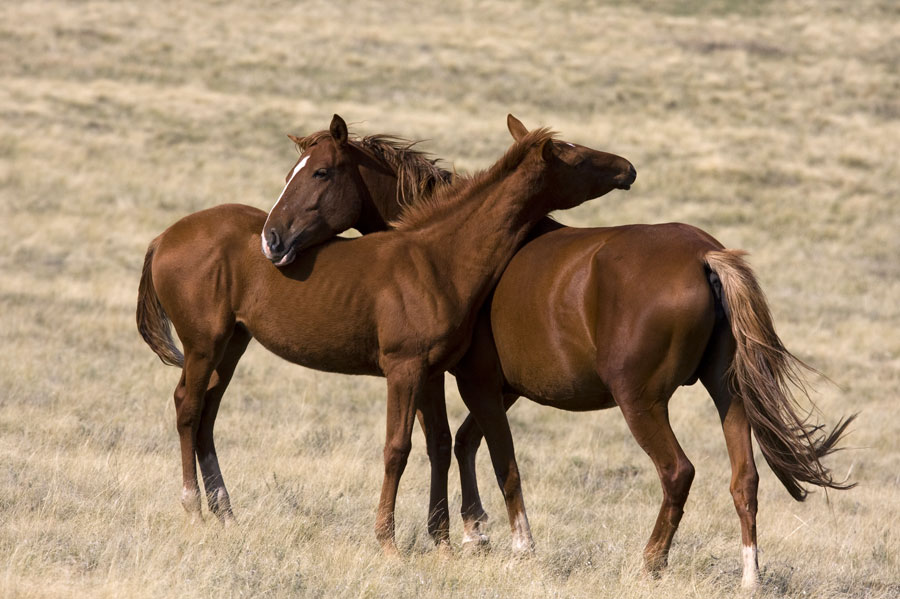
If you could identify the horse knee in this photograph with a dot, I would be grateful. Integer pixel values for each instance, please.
(677, 482)
(396, 455)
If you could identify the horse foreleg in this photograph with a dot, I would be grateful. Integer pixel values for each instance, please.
(648, 420)
(468, 439)
(490, 414)
(216, 493)
(433, 419)
(406, 386)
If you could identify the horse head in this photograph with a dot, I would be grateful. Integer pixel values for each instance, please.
(577, 173)
(322, 196)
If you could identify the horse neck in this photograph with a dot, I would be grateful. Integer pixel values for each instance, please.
(473, 244)
(388, 192)
(381, 205)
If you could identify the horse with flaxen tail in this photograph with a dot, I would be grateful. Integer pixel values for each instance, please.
(589, 319)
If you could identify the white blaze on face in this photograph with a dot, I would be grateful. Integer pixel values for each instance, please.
(265, 244)
(297, 169)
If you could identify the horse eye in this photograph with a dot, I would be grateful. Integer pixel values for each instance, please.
(321, 173)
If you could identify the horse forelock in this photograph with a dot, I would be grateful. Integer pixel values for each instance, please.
(420, 213)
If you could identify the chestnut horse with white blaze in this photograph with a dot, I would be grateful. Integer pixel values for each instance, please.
(400, 304)
(592, 318)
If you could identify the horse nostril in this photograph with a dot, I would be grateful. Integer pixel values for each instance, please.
(274, 241)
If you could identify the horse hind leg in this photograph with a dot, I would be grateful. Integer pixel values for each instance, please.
(200, 360)
(468, 439)
(490, 413)
(216, 494)
(648, 419)
(188, 408)
(736, 427)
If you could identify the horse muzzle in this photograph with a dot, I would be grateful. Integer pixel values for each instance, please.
(627, 178)
(273, 248)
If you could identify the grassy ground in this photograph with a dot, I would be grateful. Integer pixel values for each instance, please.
(775, 126)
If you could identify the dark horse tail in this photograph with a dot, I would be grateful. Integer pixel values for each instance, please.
(152, 321)
(762, 374)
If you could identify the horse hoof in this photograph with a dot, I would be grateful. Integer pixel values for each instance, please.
(194, 519)
(390, 551)
(476, 543)
(749, 584)
(444, 548)
(523, 548)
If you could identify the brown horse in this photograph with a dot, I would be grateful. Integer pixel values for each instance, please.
(399, 304)
(587, 319)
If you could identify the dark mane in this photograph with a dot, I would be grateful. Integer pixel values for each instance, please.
(421, 212)
(418, 175)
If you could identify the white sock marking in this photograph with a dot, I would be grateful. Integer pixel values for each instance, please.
(751, 569)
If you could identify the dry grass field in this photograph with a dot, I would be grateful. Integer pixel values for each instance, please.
(775, 126)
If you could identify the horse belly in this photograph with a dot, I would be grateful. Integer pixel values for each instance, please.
(565, 390)
(324, 359)
(308, 315)
(550, 368)
(318, 343)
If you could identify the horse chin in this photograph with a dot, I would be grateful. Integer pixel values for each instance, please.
(287, 258)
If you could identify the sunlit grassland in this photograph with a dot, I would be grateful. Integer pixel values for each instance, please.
(774, 126)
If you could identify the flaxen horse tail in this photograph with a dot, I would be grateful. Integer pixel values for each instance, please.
(763, 374)
(152, 321)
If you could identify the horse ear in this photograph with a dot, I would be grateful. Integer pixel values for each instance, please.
(516, 128)
(338, 130)
(547, 150)
(295, 139)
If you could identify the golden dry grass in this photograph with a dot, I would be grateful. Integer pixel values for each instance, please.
(775, 126)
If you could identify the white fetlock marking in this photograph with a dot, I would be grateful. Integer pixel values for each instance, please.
(522, 541)
(751, 567)
(475, 538)
(190, 500)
